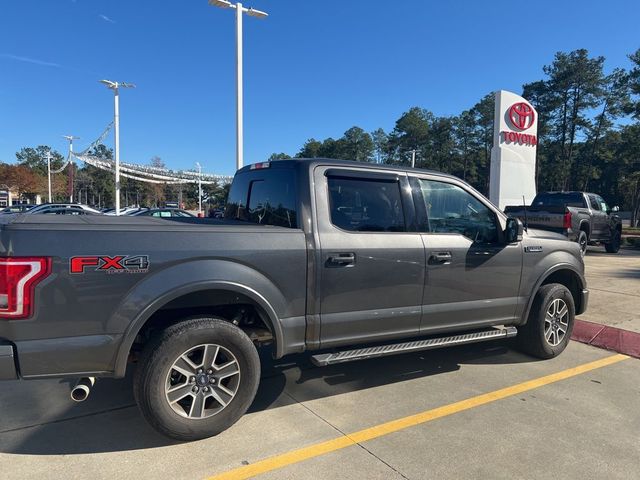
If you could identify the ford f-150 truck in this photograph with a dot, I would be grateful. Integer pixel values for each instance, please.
(345, 259)
(583, 217)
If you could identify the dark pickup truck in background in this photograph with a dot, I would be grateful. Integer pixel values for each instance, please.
(584, 218)
(345, 259)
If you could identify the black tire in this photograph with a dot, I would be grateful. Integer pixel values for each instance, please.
(583, 241)
(156, 370)
(614, 245)
(531, 336)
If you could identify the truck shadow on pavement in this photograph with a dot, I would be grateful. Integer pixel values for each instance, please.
(109, 421)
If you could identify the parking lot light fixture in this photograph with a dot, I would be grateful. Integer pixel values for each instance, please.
(116, 126)
(239, 93)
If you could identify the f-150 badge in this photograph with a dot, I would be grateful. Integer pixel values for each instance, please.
(115, 264)
(533, 248)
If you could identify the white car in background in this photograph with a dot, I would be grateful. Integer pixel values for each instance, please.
(60, 208)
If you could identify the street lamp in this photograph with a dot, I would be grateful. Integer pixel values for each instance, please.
(199, 188)
(116, 123)
(71, 138)
(239, 123)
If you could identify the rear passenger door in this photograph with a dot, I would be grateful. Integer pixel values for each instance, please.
(473, 278)
(371, 267)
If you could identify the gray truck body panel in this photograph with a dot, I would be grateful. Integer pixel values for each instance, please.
(85, 324)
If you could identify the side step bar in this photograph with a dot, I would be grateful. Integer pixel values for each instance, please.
(324, 359)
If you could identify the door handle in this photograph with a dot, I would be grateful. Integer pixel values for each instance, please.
(440, 257)
(341, 260)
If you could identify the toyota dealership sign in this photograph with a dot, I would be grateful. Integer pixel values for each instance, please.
(513, 156)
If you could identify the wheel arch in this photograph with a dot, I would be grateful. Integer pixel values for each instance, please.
(215, 288)
(585, 227)
(564, 274)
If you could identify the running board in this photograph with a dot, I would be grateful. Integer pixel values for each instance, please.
(324, 359)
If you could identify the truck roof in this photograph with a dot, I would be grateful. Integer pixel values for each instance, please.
(313, 162)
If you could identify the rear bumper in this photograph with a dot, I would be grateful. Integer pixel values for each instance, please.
(583, 303)
(7, 362)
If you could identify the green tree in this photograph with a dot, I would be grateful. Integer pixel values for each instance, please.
(278, 156)
(310, 149)
(411, 132)
(380, 140)
(356, 144)
(36, 158)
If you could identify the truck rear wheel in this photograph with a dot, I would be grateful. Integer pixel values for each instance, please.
(614, 245)
(197, 378)
(551, 318)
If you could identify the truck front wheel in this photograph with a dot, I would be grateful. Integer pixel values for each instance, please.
(548, 329)
(614, 245)
(197, 378)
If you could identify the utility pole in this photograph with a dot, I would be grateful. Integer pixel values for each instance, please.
(71, 138)
(413, 158)
(116, 124)
(199, 188)
(49, 172)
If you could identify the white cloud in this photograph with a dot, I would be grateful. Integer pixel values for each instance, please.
(106, 19)
(29, 60)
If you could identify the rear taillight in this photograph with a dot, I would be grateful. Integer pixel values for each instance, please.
(566, 221)
(18, 278)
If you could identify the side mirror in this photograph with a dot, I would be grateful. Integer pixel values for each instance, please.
(513, 230)
(615, 209)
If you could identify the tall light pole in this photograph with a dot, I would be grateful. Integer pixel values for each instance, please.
(199, 188)
(49, 172)
(71, 138)
(116, 125)
(239, 94)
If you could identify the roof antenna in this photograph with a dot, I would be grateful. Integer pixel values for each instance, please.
(526, 220)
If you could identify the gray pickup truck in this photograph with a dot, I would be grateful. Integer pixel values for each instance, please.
(583, 217)
(345, 259)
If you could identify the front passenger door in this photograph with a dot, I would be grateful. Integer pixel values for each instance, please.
(473, 278)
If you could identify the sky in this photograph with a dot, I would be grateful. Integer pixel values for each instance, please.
(312, 69)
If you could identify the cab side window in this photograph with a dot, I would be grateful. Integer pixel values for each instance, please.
(451, 209)
(602, 203)
(366, 205)
(594, 203)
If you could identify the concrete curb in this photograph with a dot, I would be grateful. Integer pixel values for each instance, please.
(606, 337)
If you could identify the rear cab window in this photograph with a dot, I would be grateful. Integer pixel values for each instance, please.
(264, 196)
(570, 199)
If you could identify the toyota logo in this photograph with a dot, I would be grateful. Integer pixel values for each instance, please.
(521, 115)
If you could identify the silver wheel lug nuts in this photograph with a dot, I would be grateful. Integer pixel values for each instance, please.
(206, 389)
(209, 371)
(192, 379)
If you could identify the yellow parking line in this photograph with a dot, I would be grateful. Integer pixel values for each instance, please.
(338, 443)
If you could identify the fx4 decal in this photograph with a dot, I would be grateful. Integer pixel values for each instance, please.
(115, 264)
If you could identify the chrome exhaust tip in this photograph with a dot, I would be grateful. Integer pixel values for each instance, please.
(81, 391)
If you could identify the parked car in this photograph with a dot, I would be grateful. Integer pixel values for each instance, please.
(123, 210)
(162, 212)
(58, 208)
(348, 260)
(582, 217)
(17, 209)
